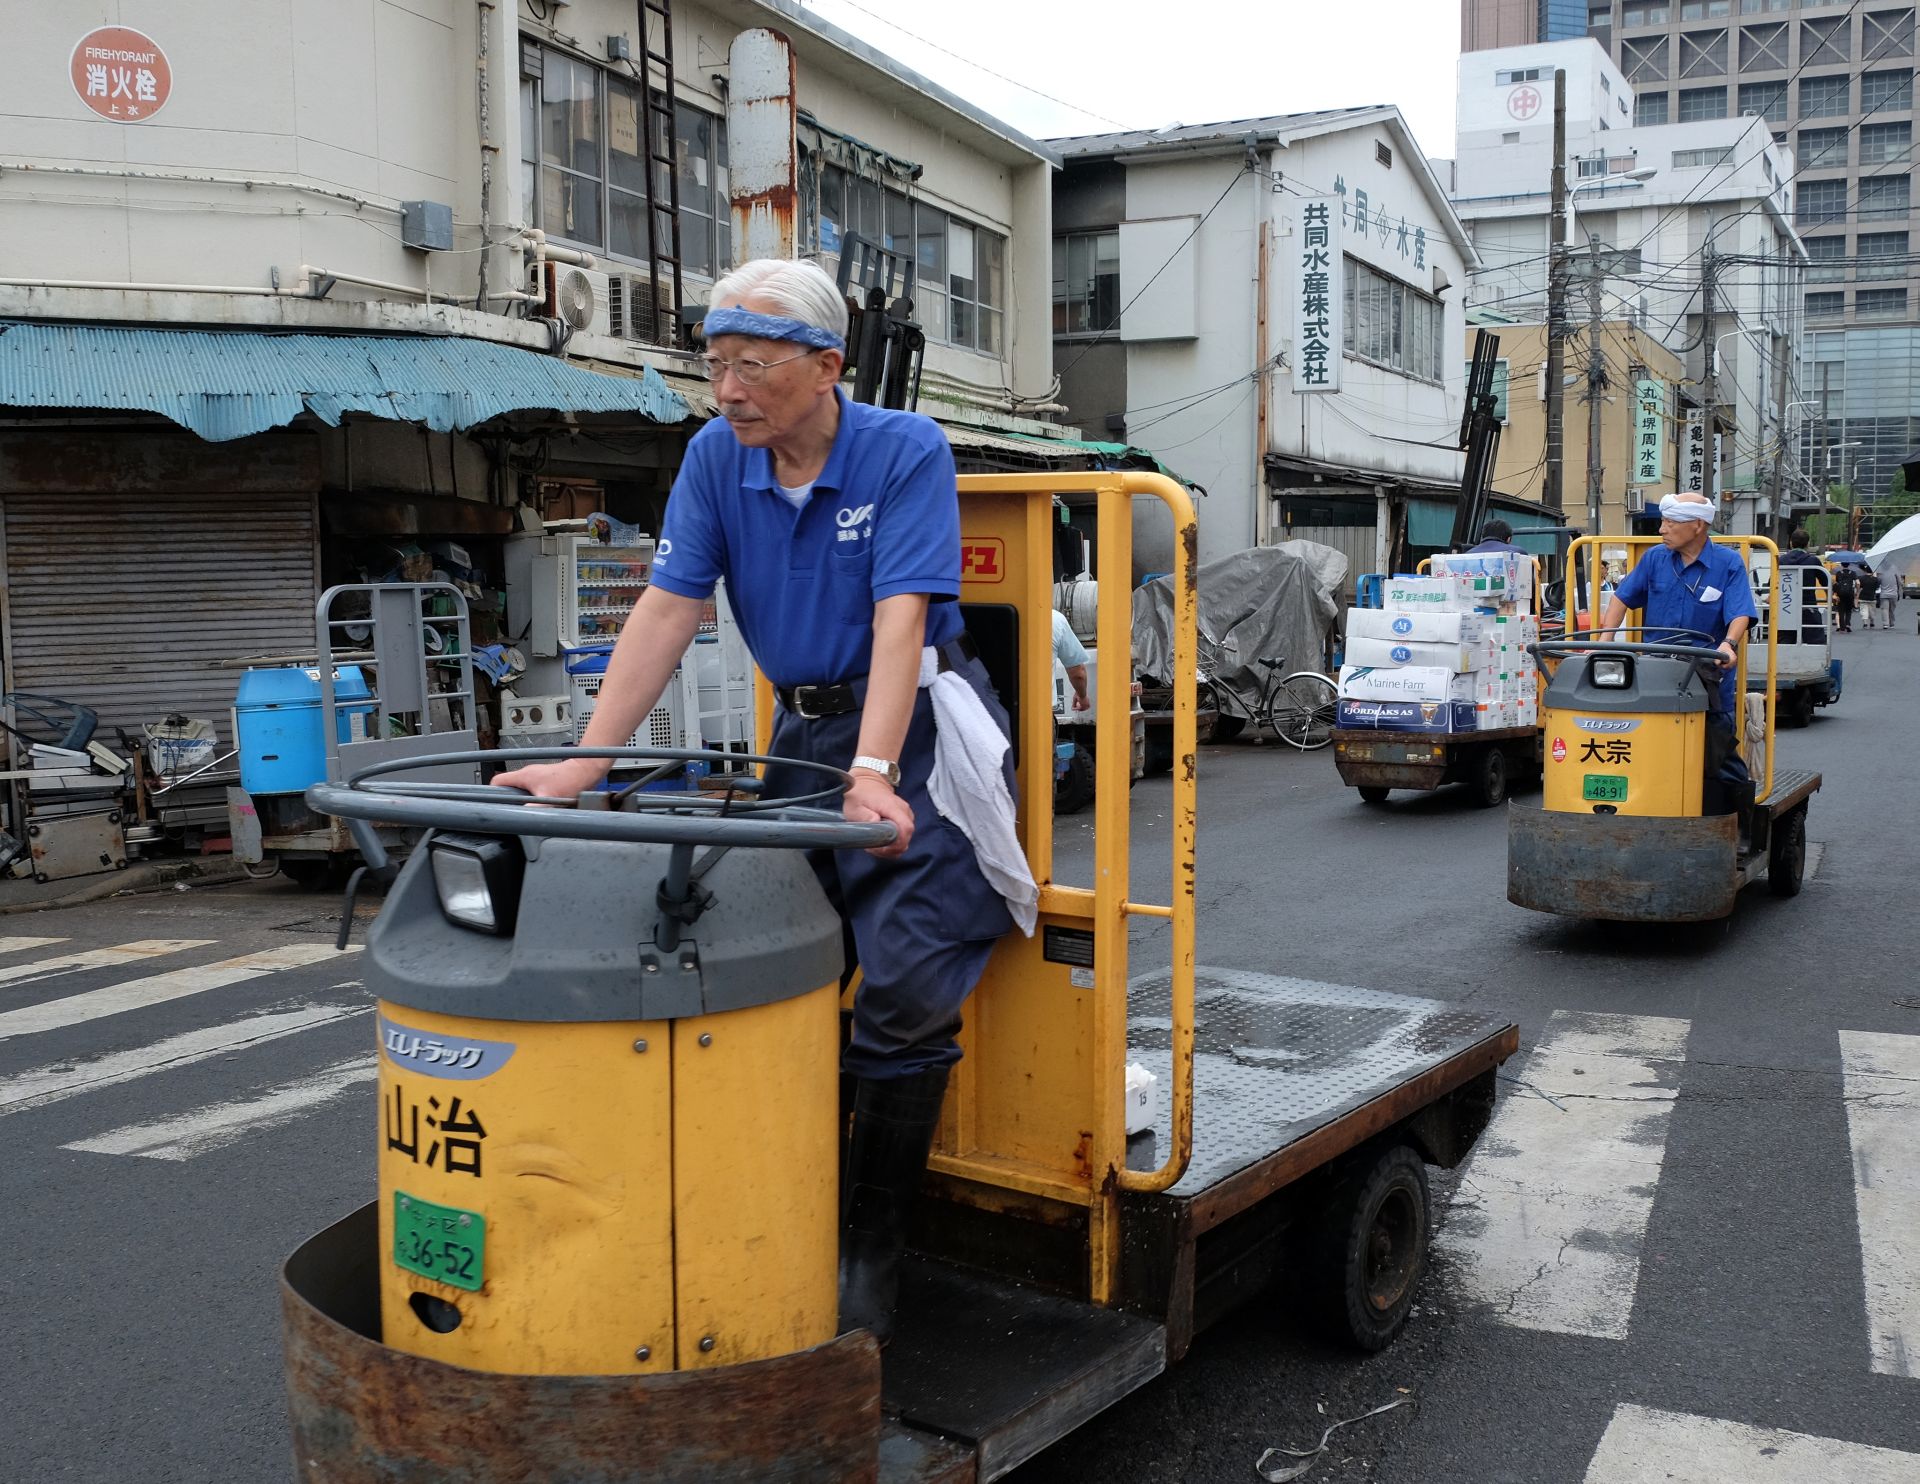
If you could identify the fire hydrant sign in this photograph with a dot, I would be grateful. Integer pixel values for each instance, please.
(121, 74)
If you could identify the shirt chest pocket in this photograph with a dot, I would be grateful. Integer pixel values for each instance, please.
(850, 581)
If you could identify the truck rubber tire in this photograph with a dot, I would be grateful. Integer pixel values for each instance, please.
(1073, 790)
(1803, 703)
(1787, 854)
(1372, 793)
(1490, 777)
(1371, 1249)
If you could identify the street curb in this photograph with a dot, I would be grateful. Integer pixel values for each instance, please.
(138, 880)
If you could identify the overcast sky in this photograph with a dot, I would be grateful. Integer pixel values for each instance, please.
(1090, 66)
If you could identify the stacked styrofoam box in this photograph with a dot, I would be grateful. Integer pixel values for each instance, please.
(1448, 652)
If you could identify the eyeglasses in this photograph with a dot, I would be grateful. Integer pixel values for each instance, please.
(747, 372)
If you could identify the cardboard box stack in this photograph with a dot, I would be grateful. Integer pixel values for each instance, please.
(1448, 652)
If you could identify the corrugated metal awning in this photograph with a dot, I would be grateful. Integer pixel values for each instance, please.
(225, 384)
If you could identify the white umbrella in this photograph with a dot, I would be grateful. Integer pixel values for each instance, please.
(1896, 550)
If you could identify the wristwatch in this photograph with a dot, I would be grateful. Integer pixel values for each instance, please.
(886, 769)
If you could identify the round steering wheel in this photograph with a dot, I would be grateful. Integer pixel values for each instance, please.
(628, 814)
(1559, 649)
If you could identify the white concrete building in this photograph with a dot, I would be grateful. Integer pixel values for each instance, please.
(1184, 266)
(286, 292)
(1718, 188)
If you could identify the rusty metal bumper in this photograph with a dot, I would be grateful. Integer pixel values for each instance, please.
(1622, 868)
(362, 1411)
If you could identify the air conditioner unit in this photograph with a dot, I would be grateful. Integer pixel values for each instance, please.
(637, 313)
(1636, 500)
(582, 297)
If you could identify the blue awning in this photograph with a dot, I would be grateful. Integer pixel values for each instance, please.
(226, 384)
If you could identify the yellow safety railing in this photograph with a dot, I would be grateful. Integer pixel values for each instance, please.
(1597, 551)
(1114, 494)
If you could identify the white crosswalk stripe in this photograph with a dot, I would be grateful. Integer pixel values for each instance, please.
(98, 958)
(21, 945)
(62, 1080)
(157, 989)
(1881, 1074)
(1552, 1211)
(220, 1124)
(1643, 1445)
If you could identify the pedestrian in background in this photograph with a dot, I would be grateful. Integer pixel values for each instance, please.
(1870, 594)
(1890, 581)
(1846, 588)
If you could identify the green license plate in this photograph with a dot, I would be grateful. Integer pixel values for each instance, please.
(1604, 788)
(439, 1242)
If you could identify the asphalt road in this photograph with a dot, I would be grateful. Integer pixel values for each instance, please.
(221, 1119)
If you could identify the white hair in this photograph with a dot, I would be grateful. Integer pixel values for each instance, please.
(797, 289)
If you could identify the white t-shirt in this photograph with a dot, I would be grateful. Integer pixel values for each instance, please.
(796, 494)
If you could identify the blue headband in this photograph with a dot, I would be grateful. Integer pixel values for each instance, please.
(737, 321)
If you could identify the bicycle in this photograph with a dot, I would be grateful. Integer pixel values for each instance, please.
(1298, 708)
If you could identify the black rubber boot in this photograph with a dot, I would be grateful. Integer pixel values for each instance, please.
(893, 1124)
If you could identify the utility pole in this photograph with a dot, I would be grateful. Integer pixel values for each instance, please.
(1710, 416)
(1557, 298)
(1776, 518)
(1596, 381)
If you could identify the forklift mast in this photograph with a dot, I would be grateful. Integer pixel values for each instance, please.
(1480, 437)
(884, 345)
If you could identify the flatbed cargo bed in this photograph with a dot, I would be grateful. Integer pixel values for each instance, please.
(1376, 761)
(1000, 1358)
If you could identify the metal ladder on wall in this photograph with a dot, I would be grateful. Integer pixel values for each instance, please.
(657, 115)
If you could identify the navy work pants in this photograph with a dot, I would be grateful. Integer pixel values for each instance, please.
(1729, 786)
(920, 926)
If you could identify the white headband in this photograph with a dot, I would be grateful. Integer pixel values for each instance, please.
(1672, 507)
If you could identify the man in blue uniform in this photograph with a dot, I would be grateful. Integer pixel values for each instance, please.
(1688, 588)
(1496, 535)
(836, 527)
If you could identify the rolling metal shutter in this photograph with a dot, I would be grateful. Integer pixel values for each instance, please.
(128, 601)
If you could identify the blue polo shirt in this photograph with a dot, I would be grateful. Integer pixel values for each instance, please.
(1706, 594)
(883, 519)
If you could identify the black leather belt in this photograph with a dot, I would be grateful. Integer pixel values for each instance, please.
(811, 702)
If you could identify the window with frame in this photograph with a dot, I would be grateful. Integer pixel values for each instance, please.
(1705, 10)
(1821, 202)
(1826, 305)
(1763, 48)
(1823, 43)
(1825, 97)
(1596, 165)
(1645, 59)
(1086, 282)
(1764, 7)
(1884, 143)
(1600, 18)
(1767, 100)
(1391, 323)
(1890, 89)
(1649, 108)
(1887, 33)
(1643, 15)
(1880, 304)
(1885, 198)
(706, 207)
(583, 166)
(1823, 149)
(1695, 159)
(1703, 53)
(1508, 75)
(1890, 248)
(1702, 103)
(1826, 259)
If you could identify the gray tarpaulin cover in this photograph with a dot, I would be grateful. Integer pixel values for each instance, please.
(1263, 601)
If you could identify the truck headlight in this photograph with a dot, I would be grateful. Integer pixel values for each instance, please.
(1610, 673)
(478, 879)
